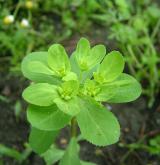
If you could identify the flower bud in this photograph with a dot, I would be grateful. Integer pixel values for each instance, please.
(29, 4)
(60, 90)
(67, 97)
(8, 19)
(24, 23)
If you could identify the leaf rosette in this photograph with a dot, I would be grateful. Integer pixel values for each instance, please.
(65, 87)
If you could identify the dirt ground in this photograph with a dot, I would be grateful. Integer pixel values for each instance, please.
(135, 118)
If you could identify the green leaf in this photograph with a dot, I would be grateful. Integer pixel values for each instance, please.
(88, 58)
(39, 67)
(83, 48)
(106, 92)
(81, 52)
(124, 89)
(13, 153)
(26, 153)
(58, 60)
(47, 118)
(30, 73)
(40, 140)
(88, 74)
(74, 64)
(70, 107)
(70, 76)
(71, 154)
(96, 55)
(110, 68)
(52, 155)
(1, 162)
(17, 109)
(81, 75)
(41, 94)
(98, 125)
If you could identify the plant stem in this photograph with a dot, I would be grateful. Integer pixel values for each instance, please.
(17, 9)
(155, 31)
(73, 127)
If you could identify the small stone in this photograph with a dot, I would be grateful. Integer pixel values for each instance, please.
(127, 129)
(98, 152)
(63, 141)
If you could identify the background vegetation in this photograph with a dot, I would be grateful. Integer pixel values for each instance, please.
(130, 26)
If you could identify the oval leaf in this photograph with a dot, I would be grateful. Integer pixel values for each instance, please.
(41, 94)
(70, 107)
(52, 155)
(71, 154)
(47, 118)
(39, 67)
(83, 48)
(96, 55)
(106, 92)
(110, 68)
(127, 89)
(36, 76)
(58, 60)
(98, 125)
(40, 140)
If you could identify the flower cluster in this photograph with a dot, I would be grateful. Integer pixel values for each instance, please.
(9, 19)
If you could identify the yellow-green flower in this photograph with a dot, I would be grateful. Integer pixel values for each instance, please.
(9, 19)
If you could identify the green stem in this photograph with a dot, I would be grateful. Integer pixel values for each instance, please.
(73, 127)
(131, 68)
(30, 17)
(80, 76)
(156, 30)
(17, 9)
(130, 50)
(138, 64)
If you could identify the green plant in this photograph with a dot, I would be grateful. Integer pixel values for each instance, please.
(152, 146)
(70, 91)
(18, 34)
(13, 153)
(139, 46)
